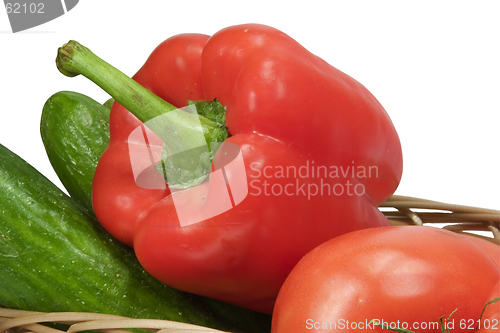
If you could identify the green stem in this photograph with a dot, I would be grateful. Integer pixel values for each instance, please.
(74, 59)
(478, 326)
(180, 131)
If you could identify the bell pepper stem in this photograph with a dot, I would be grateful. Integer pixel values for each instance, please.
(74, 59)
(180, 131)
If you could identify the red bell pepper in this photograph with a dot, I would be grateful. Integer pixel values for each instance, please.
(319, 152)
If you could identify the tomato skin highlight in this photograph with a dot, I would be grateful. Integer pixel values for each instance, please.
(408, 275)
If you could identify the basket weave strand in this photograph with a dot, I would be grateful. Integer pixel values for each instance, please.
(403, 210)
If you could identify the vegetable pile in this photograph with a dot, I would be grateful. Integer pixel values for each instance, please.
(286, 110)
(233, 177)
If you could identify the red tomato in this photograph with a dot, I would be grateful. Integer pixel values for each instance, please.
(490, 320)
(406, 277)
(492, 249)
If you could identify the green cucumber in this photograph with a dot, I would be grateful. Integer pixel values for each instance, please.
(75, 133)
(109, 103)
(55, 257)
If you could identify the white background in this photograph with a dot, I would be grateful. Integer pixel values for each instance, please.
(434, 65)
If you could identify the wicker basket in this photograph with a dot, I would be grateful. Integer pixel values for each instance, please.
(479, 222)
(400, 210)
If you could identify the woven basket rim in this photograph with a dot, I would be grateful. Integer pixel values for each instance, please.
(406, 210)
